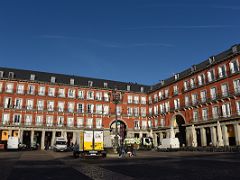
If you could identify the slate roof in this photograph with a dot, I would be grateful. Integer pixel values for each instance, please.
(233, 51)
(21, 74)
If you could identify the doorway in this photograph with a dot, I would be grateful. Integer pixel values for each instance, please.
(181, 135)
(121, 130)
(27, 138)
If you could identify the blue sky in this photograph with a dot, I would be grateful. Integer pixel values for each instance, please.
(140, 41)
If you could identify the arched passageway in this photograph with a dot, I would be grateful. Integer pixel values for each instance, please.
(178, 121)
(121, 130)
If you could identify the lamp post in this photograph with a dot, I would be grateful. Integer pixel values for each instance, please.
(116, 99)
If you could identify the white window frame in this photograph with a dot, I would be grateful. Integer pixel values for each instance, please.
(50, 105)
(60, 121)
(40, 105)
(61, 92)
(20, 89)
(80, 122)
(39, 120)
(29, 104)
(71, 93)
(41, 90)
(49, 121)
(5, 118)
(80, 110)
(28, 120)
(61, 105)
(70, 121)
(19, 117)
(99, 123)
(89, 123)
(31, 89)
(9, 87)
(234, 69)
(51, 91)
(71, 107)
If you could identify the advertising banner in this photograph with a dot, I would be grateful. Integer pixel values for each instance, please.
(98, 140)
(88, 140)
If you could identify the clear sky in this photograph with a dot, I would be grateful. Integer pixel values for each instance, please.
(140, 41)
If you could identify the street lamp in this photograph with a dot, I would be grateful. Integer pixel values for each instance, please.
(116, 99)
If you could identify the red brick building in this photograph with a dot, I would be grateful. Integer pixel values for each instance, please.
(202, 104)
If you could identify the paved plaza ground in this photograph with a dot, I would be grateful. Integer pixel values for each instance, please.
(43, 165)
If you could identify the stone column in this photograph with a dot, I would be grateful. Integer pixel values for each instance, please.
(64, 134)
(43, 140)
(188, 136)
(9, 132)
(160, 137)
(21, 135)
(151, 133)
(53, 137)
(213, 136)
(237, 133)
(74, 137)
(203, 137)
(140, 135)
(167, 134)
(32, 136)
(225, 135)
(155, 136)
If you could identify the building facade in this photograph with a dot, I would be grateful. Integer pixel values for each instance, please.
(202, 104)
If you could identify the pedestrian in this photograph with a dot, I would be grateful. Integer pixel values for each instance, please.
(122, 151)
(119, 151)
(135, 149)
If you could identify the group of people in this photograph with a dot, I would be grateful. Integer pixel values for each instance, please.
(127, 150)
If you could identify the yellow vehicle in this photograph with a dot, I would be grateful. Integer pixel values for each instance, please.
(90, 144)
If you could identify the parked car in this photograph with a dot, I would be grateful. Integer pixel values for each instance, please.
(60, 144)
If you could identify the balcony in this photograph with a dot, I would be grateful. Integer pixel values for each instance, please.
(143, 102)
(136, 102)
(175, 93)
(106, 99)
(61, 95)
(81, 97)
(9, 90)
(137, 128)
(215, 118)
(98, 98)
(28, 123)
(130, 101)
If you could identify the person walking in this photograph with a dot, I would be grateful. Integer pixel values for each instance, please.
(122, 155)
(134, 149)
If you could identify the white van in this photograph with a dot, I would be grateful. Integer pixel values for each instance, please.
(169, 143)
(12, 143)
(60, 144)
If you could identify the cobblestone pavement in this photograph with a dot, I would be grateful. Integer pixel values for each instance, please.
(147, 165)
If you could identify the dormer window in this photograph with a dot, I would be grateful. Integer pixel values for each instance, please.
(162, 82)
(105, 85)
(128, 87)
(234, 49)
(211, 60)
(90, 83)
(11, 75)
(142, 89)
(53, 79)
(176, 76)
(234, 66)
(1, 74)
(72, 81)
(193, 68)
(32, 77)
